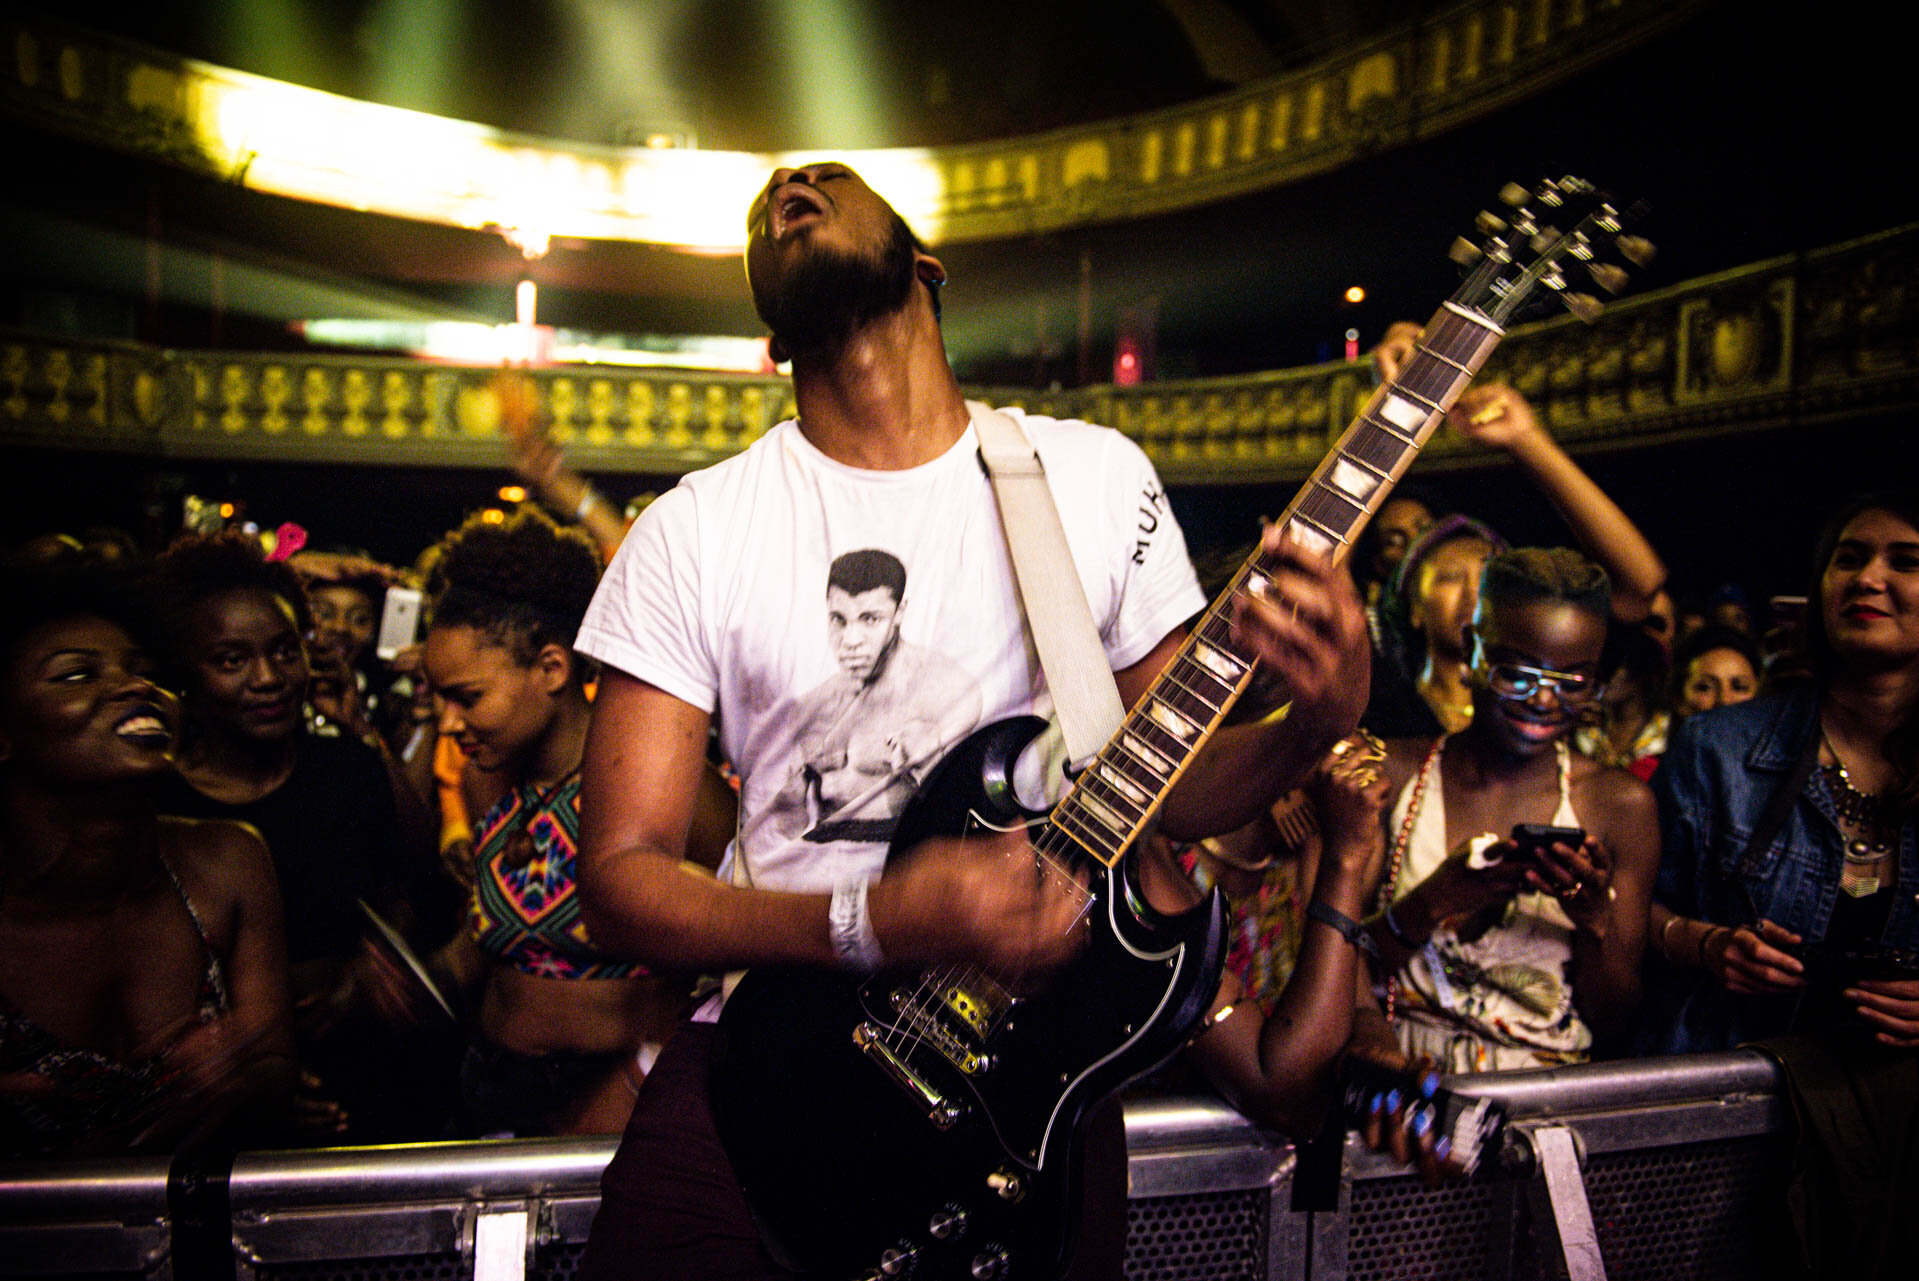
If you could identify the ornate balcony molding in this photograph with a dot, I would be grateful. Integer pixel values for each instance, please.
(1826, 336)
(1415, 81)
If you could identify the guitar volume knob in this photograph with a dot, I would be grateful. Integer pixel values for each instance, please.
(948, 1223)
(989, 1264)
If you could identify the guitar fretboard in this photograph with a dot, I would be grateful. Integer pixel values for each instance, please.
(1118, 792)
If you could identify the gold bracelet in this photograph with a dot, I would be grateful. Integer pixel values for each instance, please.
(1220, 1013)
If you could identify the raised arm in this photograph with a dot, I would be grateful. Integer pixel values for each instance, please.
(1278, 1068)
(1496, 415)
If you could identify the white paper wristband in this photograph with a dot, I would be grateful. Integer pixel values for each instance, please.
(854, 942)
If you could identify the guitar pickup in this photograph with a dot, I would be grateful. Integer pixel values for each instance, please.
(943, 1112)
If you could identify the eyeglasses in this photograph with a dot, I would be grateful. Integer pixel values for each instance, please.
(1518, 680)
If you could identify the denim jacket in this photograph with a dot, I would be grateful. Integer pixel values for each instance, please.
(1719, 772)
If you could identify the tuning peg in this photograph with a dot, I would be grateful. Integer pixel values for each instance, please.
(1636, 250)
(1489, 223)
(1584, 306)
(1464, 252)
(1543, 239)
(1513, 194)
(1608, 277)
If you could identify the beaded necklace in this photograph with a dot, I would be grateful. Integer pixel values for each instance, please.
(1401, 840)
(1862, 820)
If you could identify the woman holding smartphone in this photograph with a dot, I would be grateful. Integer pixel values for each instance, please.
(1789, 819)
(1500, 953)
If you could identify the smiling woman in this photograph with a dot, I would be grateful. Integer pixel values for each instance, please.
(1789, 818)
(1505, 953)
(98, 1055)
(1786, 907)
(237, 628)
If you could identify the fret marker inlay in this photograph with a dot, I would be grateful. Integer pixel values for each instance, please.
(1121, 784)
(1147, 756)
(1113, 822)
(1306, 536)
(1224, 666)
(1354, 480)
(1404, 414)
(1172, 722)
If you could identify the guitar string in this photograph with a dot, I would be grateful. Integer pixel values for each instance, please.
(1177, 692)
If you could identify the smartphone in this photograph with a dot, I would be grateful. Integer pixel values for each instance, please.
(1533, 838)
(399, 622)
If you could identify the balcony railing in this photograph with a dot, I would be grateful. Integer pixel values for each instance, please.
(1807, 339)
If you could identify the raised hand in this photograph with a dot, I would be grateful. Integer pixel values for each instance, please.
(1495, 415)
(1307, 627)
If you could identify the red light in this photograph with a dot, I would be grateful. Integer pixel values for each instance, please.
(1126, 363)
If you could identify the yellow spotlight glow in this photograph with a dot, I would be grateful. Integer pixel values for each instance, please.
(226, 511)
(288, 140)
(493, 516)
(1355, 294)
(512, 493)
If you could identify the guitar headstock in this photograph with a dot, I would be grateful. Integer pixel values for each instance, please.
(1563, 236)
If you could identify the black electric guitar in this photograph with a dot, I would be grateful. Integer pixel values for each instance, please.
(927, 1123)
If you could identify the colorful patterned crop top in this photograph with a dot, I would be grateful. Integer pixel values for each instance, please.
(525, 908)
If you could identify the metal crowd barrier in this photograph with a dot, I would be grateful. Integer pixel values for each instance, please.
(1667, 1168)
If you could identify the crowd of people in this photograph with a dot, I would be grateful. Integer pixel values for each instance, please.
(265, 884)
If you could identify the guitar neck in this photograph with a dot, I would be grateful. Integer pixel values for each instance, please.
(1121, 789)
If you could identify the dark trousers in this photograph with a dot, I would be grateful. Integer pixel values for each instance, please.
(671, 1207)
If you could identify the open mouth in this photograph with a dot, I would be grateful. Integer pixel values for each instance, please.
(792, 206)
(146, 726)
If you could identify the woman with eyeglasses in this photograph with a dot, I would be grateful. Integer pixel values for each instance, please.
(1500, 953)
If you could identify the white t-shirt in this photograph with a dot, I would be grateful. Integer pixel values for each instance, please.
(832, 701)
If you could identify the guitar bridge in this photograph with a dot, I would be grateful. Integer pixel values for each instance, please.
(943, 1112)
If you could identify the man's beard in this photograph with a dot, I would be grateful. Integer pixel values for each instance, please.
(830, 293)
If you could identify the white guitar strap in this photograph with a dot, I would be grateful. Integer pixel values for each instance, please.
(1054, 600)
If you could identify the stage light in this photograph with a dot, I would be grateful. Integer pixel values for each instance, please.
(1355, 294)
(493, 516)
(287, 140)
(512, 493)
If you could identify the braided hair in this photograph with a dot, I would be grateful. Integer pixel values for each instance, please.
(1526, 574)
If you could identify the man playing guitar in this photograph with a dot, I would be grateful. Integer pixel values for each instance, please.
(712, 609)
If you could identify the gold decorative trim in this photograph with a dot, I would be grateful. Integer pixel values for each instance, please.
(1829, 335)
(1417, 80)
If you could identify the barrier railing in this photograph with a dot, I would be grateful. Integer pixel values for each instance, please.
(1648, 1169)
